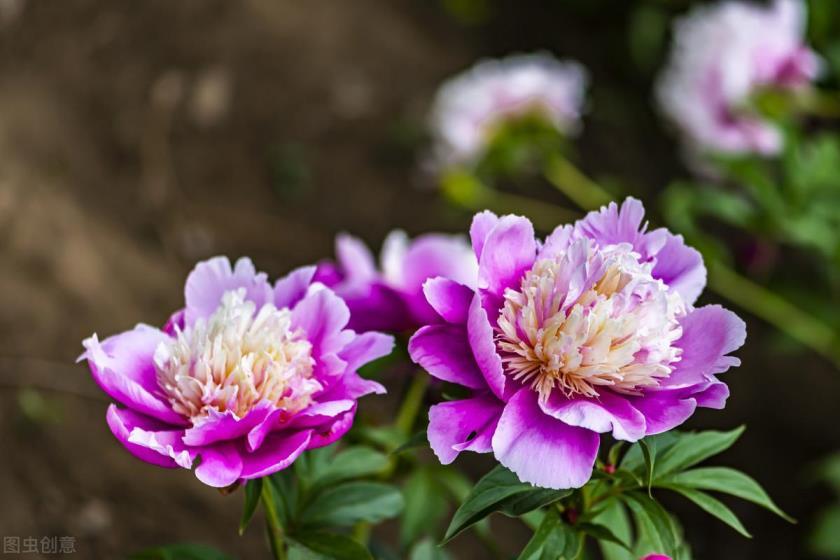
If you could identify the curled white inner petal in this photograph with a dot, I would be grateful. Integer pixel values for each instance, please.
(236, 358)
(584, 323)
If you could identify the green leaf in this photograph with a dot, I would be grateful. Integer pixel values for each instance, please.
(320, 545)
(284, 494)
(614, 515)
(714, 507)
(692, 447)
(346, 504)
(601, 533)
(649, 453)
(825, 536)
(417, 440)
(553, 540)
(654, 524)
(500, 490)
(729, 481)
(353, 462)
(428, 550)
(634, 459)
(253, 489)
(183, 551)
(425, 506)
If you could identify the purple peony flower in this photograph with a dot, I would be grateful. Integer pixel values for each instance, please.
(656, 557)
(469, 107)
(724, 54)
(242, 380)
(391, 299)
(591, 331)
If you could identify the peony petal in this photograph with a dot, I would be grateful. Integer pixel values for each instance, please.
(481, 338)
(680, 267)
(278, 452)
(223, 426)
(333, 431)
(123, 421)
(322, 315)
(290, 289)
(482, 224)
(509, 250)
(432, 255)
(123, 366)
(608, 412)
(542, 450)
(713, 396)
(220, 465)
(449, 299)
(444, 351)
(366, 348)
(210, 279)
(663, 411)
(355, 259)
(465, 425)
(709, 334)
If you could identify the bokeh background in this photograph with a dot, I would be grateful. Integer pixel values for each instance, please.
(139, 137)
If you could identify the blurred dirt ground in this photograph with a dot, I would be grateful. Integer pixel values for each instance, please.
(139, 137)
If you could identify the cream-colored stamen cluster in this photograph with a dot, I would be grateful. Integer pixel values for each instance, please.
(236, 358)
(618, 334)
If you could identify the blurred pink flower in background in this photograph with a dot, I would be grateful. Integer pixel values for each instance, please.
(469, 107)
(390, 298)
(722, 55)
(656, 557)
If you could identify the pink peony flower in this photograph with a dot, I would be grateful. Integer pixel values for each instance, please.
(593, 330)
(391, 298)
(240, 381)
(469, 107)
(722, 55)
(656, 557)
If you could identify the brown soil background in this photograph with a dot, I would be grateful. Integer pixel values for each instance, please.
(139, 137)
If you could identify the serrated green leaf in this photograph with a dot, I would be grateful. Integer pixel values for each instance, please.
(320, 545)
(726, 480)
(253, 490)
(182, 551)
(692, 447)
(653, 523)
(346, 504)
(425, 506)
(824, 539)
(714, 507)
(553, 540)
(500, 490)
(353, 462)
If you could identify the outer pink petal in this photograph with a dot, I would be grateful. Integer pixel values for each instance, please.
(123, 421)
(444, 351)
(290, 289)
(482, 224)
(223, 426)
(277, 452)
(465, 425)
(210, 279)
(664, 411)
(123, 367)
(709, 334)
(509, 250)
(481, 338)
(366, 348)
(220, 464)
(323, 315)
(355, 258)
(542, 450)
(680, 267)
(608, 412)
(449, 299)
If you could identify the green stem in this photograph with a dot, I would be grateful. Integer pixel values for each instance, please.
(774, 309)
(410, 408)
(275, 526)
(570, 181)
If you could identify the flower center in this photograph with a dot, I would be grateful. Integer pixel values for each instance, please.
(589, 319)
(236, 358)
